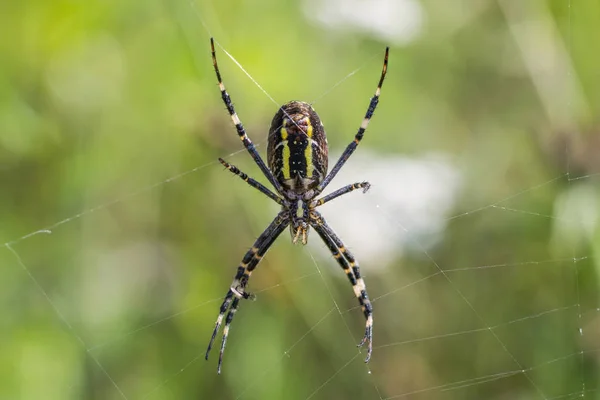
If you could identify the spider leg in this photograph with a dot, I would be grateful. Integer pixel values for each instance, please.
(239, 127)
(340, 192)
(359, 135)
(252, 182)
(237, 289)
(230, 314)
(350, 266)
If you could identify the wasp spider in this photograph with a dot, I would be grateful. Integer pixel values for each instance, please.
(297, 157)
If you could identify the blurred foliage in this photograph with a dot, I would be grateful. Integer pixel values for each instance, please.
(110, 126)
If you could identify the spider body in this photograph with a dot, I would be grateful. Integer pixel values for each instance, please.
(297, 158)
(297, 149)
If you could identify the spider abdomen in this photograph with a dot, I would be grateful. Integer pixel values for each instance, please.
(297, 147)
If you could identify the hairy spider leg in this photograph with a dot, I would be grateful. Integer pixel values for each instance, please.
(237, 289)
(252, 182)
(350, 266)
(239, 127)
(340, 192)
(359, 135)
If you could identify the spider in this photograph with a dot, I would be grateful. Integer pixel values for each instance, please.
(297, 157)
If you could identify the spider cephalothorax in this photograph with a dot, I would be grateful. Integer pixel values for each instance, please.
(297, 157)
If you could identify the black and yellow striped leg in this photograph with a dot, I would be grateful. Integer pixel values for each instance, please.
(238, 286)
(340, 192)
(252, 182)
(359, 135)
(350, 266)
(239, 127)
(230, 314)
(336, 254)
(224, 307)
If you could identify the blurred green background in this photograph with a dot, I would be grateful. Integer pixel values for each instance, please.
(111, 124)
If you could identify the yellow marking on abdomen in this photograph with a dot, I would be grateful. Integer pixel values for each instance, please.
(286, 152)
(308, 152)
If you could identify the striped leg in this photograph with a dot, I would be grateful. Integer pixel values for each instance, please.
(352, 270)
(359, 135)
(239, 127)
(342, 191)
(238, 286)
(230, 314)
(255, 184)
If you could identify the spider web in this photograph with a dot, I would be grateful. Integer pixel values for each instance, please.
(443, 325)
